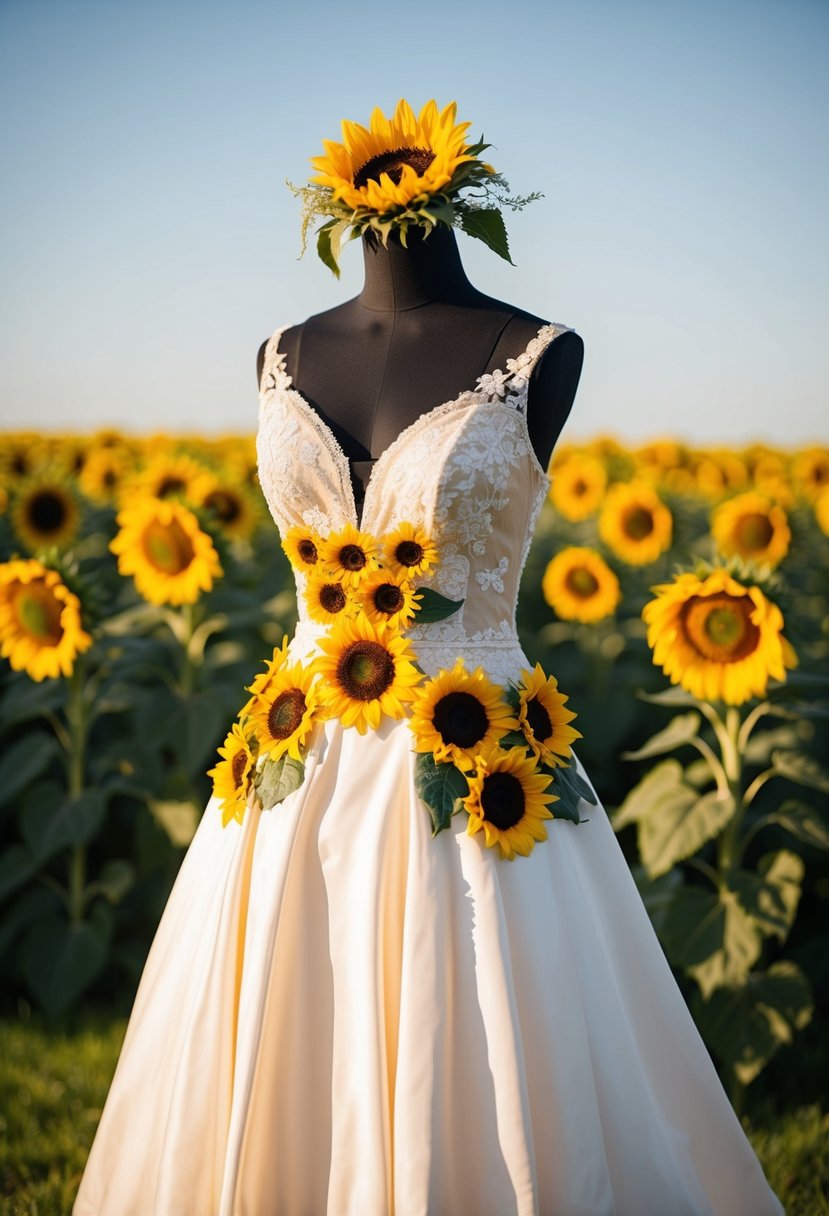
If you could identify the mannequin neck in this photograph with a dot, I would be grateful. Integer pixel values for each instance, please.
(429, 269)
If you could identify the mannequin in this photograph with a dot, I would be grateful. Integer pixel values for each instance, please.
(418, 334)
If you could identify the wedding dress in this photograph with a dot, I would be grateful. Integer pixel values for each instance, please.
(342, 1015)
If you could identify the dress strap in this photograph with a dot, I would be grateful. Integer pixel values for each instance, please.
(521, 368)
(274, 358)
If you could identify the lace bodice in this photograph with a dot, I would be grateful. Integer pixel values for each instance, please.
(465, 471)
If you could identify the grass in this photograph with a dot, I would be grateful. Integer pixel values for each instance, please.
(54, 1079)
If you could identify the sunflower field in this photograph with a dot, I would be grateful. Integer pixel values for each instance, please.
(679, 596)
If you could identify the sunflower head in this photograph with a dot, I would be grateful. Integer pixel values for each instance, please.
(350, 555)
(458, 712)
(716, 637)
(508, 800)
(543, 717)
(41, 629)
(406, 170)
(751, 526)
(389, 596)
(635, 523)
(302, 546)
(232, 775)
(580, 586)
(286, 711)
(161, 544)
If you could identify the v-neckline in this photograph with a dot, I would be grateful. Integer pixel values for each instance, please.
(283, 383)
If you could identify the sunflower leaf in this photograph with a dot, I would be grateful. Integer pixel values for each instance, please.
(568, 785)
(513, 738)
(434, 606)
(487, 224)
(441, 786)
(277, 779)
(324, 248)
(681, 729)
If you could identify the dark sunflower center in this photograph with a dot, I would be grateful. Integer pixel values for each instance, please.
(352, 557)
(285, 715)
(502, 800)
(460, 718)
(224, 504)
(168, 547)
(392, 162)
(581, 582)
(539, 719)
(47, 511)
(39, 614)
(238, 768)
(638, 523)
(307, 551)
(409, 553)
(719, 627)
(388, 598)
(365, 670)
(171, 485)
(332, 597)
(754, 532)
(580, 487)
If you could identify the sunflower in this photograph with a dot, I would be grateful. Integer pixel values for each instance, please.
(45, 511)
(40, 620)
(717, 638)
(409, 549)
(508, 797)
(751, 526)
(286, 711)
(366, 670)
(262, 681)
(230, 504)
(543, 718)
(635, 523)
(104, 472)
(161, 544)
(810, 471)
(580, 586)
(232, 775)
(328, 600)
(302, 546)
(168, 475)
(386, 595)
(395, 160)
(577, 487)
(350, 555)
(458, 712)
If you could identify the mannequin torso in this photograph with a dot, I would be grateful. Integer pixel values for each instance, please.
(417, 335)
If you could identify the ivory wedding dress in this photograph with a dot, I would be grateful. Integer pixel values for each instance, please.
(342, 1015)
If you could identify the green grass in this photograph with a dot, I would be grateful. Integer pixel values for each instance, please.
(54, 1079)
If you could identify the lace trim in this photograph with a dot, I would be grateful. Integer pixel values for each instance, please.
(493, 388)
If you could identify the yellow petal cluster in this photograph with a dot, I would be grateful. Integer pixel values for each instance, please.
(41, 631)
(718, 639)
(508, 800)
(161, 544)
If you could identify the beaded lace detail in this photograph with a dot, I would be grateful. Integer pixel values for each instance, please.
(465, 470)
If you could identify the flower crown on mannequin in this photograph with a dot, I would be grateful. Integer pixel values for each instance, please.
(403, 171)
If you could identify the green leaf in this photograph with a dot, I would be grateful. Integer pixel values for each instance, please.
(803, 770)
(60, 960)
(434, 606)
(324, 247)
(673, 697)
(16, 868)
(772, 894)
(24, 760)
(441, 786)
(277, 779)
(570, 789)
(178, 819)
(113, 882)
(48, 828)
(763, 742)
(514, 738)
(804, 822)
(711, 936)
(487, 224)
(25, 699)
(681, 729)
(746, 1024)
(671, 817)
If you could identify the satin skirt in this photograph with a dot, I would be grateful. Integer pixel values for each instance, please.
(341, 1015)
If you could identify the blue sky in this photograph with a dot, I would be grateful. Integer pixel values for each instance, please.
(149, 243)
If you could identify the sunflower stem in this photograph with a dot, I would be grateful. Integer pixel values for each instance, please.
(728, 850)
(77, 720)
(188, 617)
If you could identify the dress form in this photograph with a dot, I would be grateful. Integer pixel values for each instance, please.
(418, 334)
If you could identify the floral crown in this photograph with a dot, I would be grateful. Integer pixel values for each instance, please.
(405, 170)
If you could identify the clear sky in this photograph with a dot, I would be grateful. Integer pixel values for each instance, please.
(149, 243)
